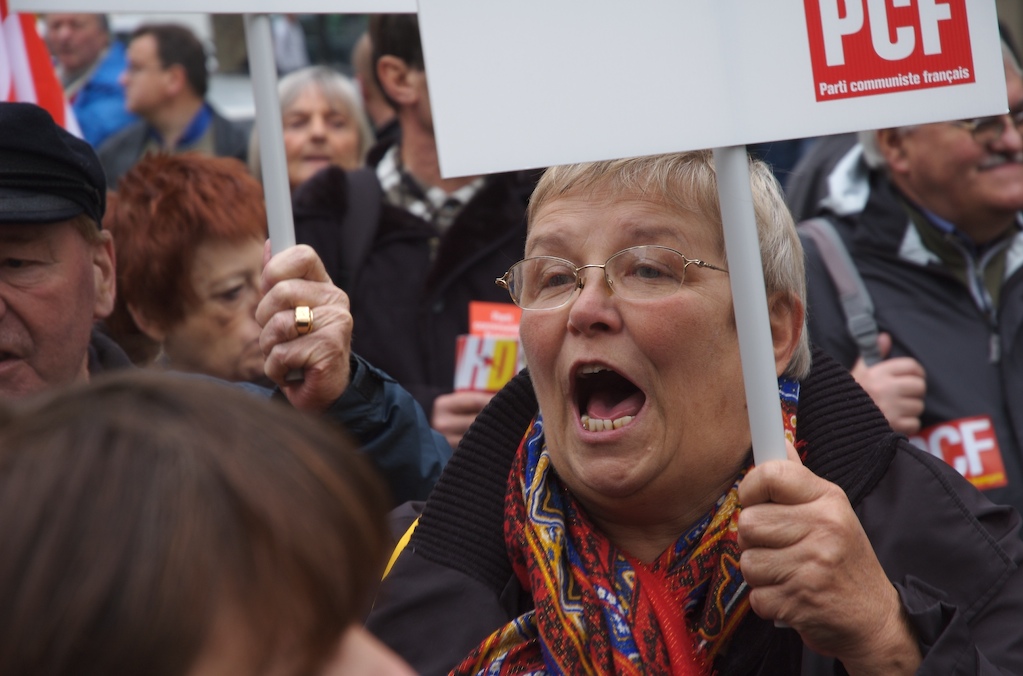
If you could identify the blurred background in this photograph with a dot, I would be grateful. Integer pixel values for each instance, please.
(328, 39)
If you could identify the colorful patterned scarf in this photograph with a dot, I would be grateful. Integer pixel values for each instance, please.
(596, 609)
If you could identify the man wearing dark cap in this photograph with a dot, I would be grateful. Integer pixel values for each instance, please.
(57, 279)
(56, 263)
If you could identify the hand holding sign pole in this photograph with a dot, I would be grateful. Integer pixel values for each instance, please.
(270, 130)
(263, 70)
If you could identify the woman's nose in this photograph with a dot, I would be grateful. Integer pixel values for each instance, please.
(594, 307)
(317, 127)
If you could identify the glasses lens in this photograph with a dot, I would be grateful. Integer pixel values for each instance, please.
(987, 130)
(646, 272)
(541, 283)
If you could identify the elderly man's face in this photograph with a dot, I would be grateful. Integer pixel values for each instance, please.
(53, 286)
(669, 366)
(76, 40)
(940, 166)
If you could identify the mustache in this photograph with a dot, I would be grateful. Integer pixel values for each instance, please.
(998, 159)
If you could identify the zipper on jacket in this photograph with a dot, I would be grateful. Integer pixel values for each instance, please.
(981, 295)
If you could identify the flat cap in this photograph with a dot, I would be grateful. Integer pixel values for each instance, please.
(46, 174)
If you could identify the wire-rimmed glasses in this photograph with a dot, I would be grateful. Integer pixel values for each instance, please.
(987, 130)
(637, 273)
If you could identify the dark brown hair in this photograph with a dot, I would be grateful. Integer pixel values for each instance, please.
(136, 508)
(177, 45)
(395, 35)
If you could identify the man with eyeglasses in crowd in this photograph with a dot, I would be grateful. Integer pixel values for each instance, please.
(932, 223)
(165, 83)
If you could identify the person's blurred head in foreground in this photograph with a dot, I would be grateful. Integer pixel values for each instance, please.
(56, 263)
(169, 525)
(324, 124)
(190, 231)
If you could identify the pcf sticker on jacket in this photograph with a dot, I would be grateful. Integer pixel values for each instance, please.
(970, 446)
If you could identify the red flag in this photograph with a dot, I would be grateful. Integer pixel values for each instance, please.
(26, 71)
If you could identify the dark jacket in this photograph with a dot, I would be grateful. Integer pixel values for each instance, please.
(120, 152)
(952, 555)
(389, 427)
(807, 185)
(392, 431)
(974, 364)
(105, 355)
(409, 308)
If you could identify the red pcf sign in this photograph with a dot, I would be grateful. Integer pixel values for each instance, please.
(970, 446)
(869, 47)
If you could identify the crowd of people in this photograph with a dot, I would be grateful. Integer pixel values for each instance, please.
(217, 460)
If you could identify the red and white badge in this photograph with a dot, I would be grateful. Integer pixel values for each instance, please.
(869, 47)
(490, 355)
(970, 446)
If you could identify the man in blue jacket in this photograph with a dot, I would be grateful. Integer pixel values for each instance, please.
(89, 63)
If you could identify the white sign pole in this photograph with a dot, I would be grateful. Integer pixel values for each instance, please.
(270, 131)
(746, 275)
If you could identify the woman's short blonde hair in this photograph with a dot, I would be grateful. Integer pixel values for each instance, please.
(686, 182)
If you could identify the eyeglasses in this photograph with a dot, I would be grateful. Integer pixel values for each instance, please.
(636, 273)
(133, 68)
(987, 130)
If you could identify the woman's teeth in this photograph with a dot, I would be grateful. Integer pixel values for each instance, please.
(601, 425)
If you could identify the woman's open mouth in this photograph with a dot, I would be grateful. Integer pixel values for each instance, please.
(606, 399)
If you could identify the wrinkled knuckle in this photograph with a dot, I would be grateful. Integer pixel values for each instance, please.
(748, 566)
(761, 604)
(748, 523)
(266, 342)
(779, 469)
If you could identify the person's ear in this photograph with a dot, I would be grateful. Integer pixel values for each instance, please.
(396, 80)
(104, 276)
(786, 314)
(892, 144)
(175, 79)
(151, 329)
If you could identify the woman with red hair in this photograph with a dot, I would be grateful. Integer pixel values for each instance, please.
(189, 232)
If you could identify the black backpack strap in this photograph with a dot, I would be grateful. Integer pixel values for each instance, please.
(855, 299)
(361, 220)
